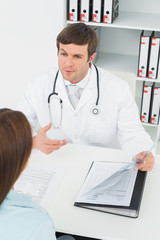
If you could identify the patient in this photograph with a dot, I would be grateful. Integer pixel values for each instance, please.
(20, 218)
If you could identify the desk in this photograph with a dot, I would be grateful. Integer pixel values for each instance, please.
(76, 160)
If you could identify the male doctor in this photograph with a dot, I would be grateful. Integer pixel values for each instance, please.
(82, 104)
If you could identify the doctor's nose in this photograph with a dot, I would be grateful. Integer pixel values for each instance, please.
(69, 62)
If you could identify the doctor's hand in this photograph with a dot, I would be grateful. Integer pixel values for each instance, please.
(147, 161)
(44, 144)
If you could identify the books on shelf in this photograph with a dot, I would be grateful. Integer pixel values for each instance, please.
(148, 61)
(150, 104)
(105, 11)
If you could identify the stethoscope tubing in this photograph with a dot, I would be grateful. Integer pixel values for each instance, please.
(55, 93)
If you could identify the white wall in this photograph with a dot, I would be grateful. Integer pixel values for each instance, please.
(150, 6)
(28, 30)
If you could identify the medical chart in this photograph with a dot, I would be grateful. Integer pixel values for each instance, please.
(108, 183)
(34, 182)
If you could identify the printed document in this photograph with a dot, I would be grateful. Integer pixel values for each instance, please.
(108, 183)
(34, 182)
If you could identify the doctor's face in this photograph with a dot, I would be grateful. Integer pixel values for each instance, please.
(73, 61)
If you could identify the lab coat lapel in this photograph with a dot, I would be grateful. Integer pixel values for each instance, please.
(89, 89)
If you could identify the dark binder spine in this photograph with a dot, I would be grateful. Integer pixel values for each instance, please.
(158, 116)
(90, 10)
(102, 10)
(151, 102)
(78, 10)
(115, 9)
(138, 74)
(68, 2)
(112, 10)
(149, 51)
(158, 64)
(138, 190)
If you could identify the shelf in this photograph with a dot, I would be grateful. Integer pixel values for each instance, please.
(132, 20)
(149, 125)
(148, 80)
(152, 131)
(119, 47)
(117, 62)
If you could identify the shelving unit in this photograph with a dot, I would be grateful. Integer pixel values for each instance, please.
(148, 80)
(119, 45)
(132, 20)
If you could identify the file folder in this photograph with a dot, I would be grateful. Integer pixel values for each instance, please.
(145, 106)
(110, 10)
(85, 10)
(132, 210)
(155, 107)
(154, 56)
(97, 10)
(144, 51)
(73, 10)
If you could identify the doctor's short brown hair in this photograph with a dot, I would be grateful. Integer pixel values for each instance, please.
(15, 148)
(79, 34)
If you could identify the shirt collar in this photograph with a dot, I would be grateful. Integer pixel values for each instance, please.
(81, 83)
(18, 199)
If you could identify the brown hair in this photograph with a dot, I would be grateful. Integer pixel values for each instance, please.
(79, 34)
(15, 148)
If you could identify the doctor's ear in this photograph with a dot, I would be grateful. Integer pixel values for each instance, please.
(92, 57)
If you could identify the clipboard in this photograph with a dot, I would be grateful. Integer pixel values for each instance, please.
(132, 210)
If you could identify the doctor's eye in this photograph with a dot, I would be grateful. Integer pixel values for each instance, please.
(63, 54)
(77, 56)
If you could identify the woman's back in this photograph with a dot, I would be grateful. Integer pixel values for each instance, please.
(20, 218)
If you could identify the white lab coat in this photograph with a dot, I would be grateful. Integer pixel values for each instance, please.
(116, 125)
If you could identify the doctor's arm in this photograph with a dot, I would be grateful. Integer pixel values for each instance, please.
(44, 144)
(28, 105)
(132, 136)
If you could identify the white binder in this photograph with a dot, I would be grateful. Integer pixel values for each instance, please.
(146, 98)
(85, 10)
(96, 12)
(110, 10)
(144, 53)
(155, 106)
(73, 10)
(154, 54)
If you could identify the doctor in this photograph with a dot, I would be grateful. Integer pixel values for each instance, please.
(101, 112)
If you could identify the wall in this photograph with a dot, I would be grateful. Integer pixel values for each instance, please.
(28, 30)
(146, 6)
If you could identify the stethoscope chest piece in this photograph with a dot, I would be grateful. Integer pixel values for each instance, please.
(95, 111)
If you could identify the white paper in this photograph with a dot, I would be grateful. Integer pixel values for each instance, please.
(102, 186)
(34, 182)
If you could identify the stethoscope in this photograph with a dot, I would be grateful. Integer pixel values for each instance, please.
(55, 103)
